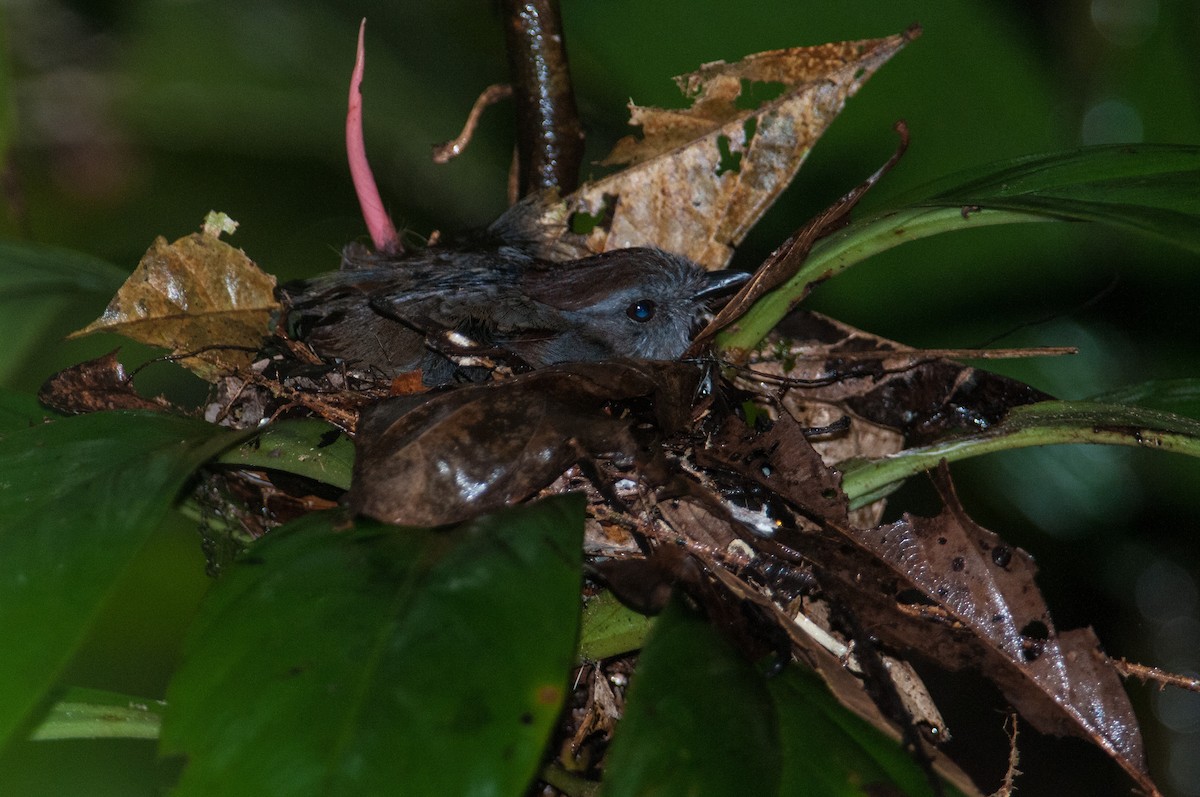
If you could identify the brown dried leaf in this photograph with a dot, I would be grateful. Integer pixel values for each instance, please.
(452, 456)
(980, 607)
(811, 357)
(700, 178)
(95, 385)
(601, 712)
(782, 460)
(952, 591)
(198, 295)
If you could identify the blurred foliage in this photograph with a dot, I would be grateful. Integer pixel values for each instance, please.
(123, 121)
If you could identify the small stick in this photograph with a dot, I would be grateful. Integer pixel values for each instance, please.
(444, 153)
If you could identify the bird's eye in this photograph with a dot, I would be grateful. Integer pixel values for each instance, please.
(641, 311)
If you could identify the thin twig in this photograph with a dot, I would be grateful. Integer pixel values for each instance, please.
(1014, 757)
(955, 354)
(444, 153)
(1146, 674)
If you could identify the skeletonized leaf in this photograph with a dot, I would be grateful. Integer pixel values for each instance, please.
(700, 178)
(197, 295)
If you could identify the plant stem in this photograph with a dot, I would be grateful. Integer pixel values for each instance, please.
(95, 714)
(852, 244)
(1042, 424)
(549, 133)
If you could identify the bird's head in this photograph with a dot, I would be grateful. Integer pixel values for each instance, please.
(641, 303)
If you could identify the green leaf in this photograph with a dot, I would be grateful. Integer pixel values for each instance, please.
(1045, 423)
(30, 271)
(36, 284)
(1145, 188)
(701, 720)
(610, 628)
(20, 411)
(1180, 396)
(698, 720)
(78, 499)
(97, 714)
(383, 660)
(830, 752)
(306, 447)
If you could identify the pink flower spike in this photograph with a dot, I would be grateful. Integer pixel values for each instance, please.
(379, 224)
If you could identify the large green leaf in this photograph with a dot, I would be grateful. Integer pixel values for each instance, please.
(701, 720)
(382, 660)
(78, 498)
(1041, 424)
(698, 720)
(1148, 189)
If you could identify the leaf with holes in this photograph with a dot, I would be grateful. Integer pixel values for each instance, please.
(698, 179)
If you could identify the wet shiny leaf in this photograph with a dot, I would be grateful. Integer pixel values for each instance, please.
(434, 460)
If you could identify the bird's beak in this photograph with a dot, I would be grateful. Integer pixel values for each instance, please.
(721, 283)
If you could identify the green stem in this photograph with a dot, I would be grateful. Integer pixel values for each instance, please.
(95, 714)
(1047, 423)
(853, 244)
(568, 782)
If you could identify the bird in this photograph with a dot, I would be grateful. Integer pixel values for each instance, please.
(389, 315)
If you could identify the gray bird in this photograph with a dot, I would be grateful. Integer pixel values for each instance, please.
(392, 316)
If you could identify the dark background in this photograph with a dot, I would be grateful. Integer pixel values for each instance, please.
(123, 121)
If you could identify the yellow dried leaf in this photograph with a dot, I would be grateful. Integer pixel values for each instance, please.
(197, 295)
(698, 179)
